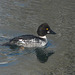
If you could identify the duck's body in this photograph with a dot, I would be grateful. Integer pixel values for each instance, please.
(32, 40)
(28, 41)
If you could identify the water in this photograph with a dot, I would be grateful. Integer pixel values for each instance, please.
(19, 17)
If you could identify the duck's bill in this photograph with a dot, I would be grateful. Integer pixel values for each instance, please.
(51, 32)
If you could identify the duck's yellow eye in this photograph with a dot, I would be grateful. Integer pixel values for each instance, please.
(46, 28)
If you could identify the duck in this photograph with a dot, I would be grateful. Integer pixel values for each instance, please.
(29, 41)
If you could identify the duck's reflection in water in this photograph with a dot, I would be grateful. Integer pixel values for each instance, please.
(42, 55)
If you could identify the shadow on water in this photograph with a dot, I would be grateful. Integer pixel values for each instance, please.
(11, 56)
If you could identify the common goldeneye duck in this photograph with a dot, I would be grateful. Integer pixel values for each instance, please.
(32, 40)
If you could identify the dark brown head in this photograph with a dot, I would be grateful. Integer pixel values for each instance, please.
(44, 29)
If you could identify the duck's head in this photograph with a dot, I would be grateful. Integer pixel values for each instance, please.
(44, 29)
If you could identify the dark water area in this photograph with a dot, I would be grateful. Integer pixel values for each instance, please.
(19, 17)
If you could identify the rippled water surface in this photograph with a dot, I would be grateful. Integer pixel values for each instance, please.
(19, 17)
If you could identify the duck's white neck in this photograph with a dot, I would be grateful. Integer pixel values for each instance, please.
(43, 37)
